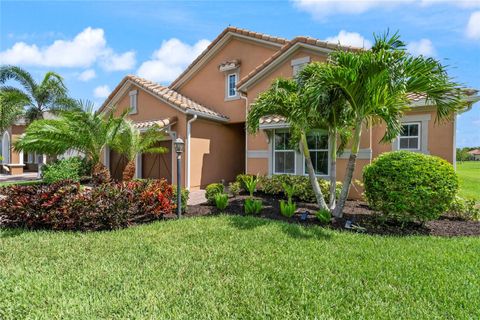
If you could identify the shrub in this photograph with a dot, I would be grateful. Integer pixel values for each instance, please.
(465, 209)
(407, 186)
(234, 188)
(250, 183)
(65, 206)
(240, 179)
(324, 216)
(253, 206)
(212, 190)
(274, 185)
(65, 169)
(185, 196)
(221, 200)
(288, 208)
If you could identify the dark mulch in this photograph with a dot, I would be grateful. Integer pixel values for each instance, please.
(357, 212)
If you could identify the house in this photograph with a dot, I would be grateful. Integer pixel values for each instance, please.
(207, 105)
(474, 154)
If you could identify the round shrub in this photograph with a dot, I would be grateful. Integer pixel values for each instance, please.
(407, 186)
(212, 190)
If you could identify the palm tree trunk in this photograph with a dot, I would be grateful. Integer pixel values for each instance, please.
(347, 181)
(129, 171)
(333, 170)
(100, 173)
(311, 173)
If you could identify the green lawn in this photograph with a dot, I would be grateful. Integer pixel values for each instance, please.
(469, 175)
(236, 267)
(25, 183)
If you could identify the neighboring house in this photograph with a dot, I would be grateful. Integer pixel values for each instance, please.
(474, 154)
(207, 105)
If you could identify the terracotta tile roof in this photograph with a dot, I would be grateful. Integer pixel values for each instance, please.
(305, 40)
(474, 152)
(274, 119)
(169, 95)
(155, 123)
(244, 32)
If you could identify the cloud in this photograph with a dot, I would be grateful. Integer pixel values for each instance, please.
(87, 75)
(353, 39)
(473, 26)
(320, 9)
(170, 60)
(85, 49)
(101, 91)
(422, 47)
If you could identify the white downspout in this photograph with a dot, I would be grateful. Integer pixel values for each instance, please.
(189, 131)
(246, 131)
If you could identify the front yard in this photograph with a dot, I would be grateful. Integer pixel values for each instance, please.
(236, 267)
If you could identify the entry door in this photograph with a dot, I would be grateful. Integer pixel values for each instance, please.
(158, 166)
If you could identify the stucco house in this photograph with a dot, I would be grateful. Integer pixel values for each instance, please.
(207, 106)
(474, 154)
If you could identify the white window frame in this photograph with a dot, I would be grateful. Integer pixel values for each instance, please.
(418, 136)
(287, 150)
(228, 96)
(133, 101)
(304, 172)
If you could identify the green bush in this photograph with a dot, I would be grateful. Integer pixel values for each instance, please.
(212, 190)
(324, 216)
(253, 206)
(234, 188)
(250, 183)
(287, 208)
(303, 191)
(241, 178)
(66, 169)
(185, 196)
(465, 209)
(407, 186)
(221, 200)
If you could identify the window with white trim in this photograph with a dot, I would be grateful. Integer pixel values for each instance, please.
(231, 85)
(317, 142)
(409, 138)
(133, 101)
(283, 154)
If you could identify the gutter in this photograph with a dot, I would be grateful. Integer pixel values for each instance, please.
(244, 97)
(189, 131)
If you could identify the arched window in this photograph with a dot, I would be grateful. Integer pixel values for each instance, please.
(6, 147)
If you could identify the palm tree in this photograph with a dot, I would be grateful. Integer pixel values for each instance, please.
(11, 108)
(48, 95)
(284, 98)
(333, 109)
(82, 130)
(130, 141)
(376, 84)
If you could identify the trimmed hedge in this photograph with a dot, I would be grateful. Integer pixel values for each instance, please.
(65, 205)
(408, 186)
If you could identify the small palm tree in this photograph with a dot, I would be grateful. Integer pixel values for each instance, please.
(48, 95)
(130, 141)
(376, 84)
(284, 98)
(82, 130)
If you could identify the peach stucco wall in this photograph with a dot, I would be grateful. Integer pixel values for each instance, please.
(207, 86)
(218, 152)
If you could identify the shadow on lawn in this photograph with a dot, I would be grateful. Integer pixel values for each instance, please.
(293, 230)
(10, 233)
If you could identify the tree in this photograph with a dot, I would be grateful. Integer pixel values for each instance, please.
(82, 130)
(462, 154)
(130, 141)
(284, 98)
(376, 84)
(48, 95)
(11, 108)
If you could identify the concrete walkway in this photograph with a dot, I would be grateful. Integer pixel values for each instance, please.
(29, 176)
(197, 197)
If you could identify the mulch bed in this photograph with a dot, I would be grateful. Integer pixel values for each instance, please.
(356, 211)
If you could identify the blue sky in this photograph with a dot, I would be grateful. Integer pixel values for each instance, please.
(94, 44)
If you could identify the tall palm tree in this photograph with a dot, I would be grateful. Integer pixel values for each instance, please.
(376, 84)
(82, 130)
(130, 141)
(11, 108)
(284, 98)
(48, 95)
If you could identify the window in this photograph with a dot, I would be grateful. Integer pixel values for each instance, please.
(409, 137)
(283, 155)
(133, 101)
(232, 85)
(299, 64)
(318, 145)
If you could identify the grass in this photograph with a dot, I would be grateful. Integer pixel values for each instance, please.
(469, 175)
(25, 183)
(236, 267)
